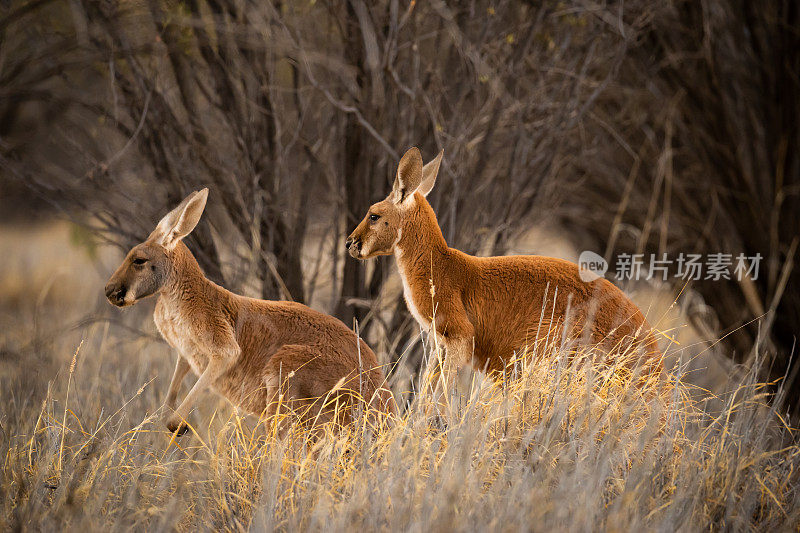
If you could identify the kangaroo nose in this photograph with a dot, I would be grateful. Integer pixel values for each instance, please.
(350, 242)
(115, 294)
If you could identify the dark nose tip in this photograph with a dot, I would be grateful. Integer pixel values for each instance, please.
(348, 242)
(115, 294)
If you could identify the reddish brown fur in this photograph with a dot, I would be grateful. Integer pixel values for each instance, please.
(488, 308)
(248, 349)
(274, 339)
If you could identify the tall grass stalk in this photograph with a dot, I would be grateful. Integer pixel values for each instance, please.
(66, 406)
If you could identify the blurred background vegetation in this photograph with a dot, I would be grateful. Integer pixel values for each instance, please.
(643, 126)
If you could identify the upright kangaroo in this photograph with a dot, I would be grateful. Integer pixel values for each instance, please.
(245, 349)
(487, 308)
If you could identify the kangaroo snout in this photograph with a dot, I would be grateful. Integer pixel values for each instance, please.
(116, 293)
(353, 246)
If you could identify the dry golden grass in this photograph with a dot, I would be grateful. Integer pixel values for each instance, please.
(554, 444)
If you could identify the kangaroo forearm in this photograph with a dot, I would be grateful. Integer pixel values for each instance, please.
(181, 369)
(216, 367)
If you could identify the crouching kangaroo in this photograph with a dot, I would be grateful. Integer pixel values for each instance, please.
(488, 308)
(249, 351)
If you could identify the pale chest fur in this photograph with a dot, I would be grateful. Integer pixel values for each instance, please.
(423, 311)
(410, 296)
(181, 334)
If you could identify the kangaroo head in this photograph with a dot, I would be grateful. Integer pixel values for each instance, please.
(382, 227)
(149, 265)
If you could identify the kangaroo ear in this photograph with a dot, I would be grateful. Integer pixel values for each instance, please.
(409, 175)
(180, 222)
(429, 173)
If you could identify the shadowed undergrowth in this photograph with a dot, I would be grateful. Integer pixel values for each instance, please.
(554, 444)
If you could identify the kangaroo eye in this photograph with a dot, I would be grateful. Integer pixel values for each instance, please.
(374, 217)
(139, 261)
